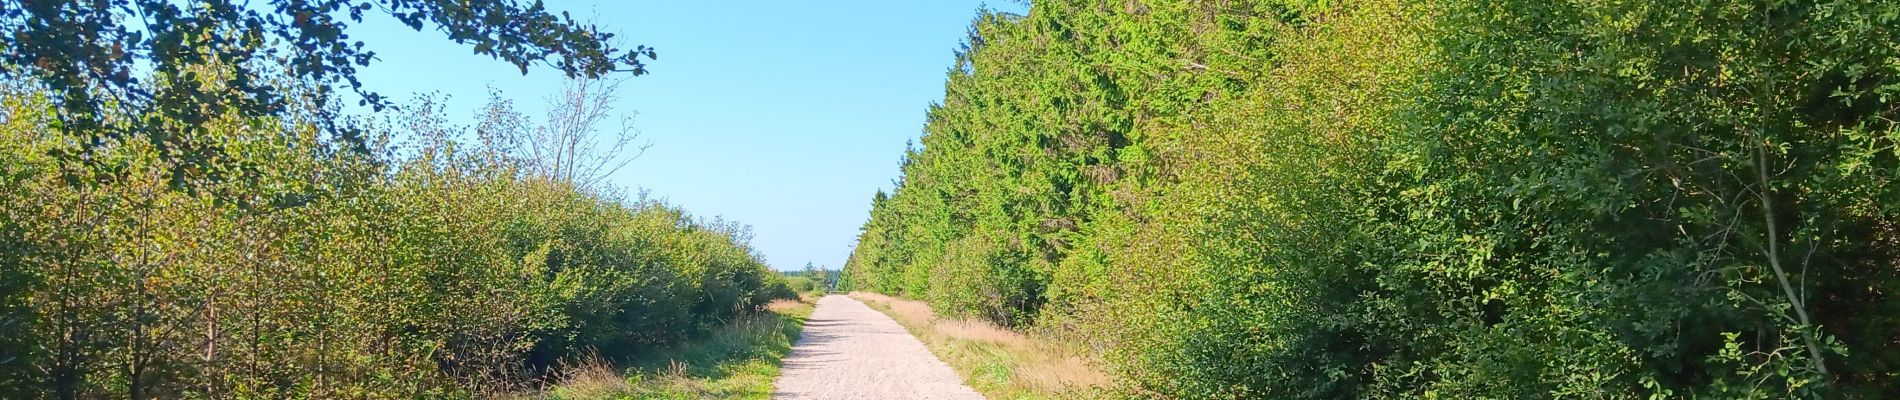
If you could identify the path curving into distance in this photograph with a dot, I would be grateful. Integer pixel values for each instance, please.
(850, 351)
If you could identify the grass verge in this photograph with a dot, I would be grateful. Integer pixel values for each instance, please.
(739, 361)
(998, 362)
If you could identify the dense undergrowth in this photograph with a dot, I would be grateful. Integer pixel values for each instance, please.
(1439, 199)
(286, 264)
(739, 360)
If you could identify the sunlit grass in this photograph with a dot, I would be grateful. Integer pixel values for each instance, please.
(998, 362)
(739, 361)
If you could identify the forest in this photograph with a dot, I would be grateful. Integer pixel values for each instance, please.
(1420, 199)
(188, 211)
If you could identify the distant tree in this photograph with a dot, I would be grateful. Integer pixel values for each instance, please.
(817, 275)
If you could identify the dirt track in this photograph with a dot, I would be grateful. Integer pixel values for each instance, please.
(849, 351)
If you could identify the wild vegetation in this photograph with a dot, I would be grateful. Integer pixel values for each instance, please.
(812, 279)
(739, 360)
(447, 271)
(1442, 199)
(91, 57)
(213, 225)
(999, 363)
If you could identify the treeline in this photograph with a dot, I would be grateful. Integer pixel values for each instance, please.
(425, 260)
(1442, 199)
(813, 277)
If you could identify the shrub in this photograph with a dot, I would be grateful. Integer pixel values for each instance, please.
(299, 269)
(1267, 199)
(800, 284)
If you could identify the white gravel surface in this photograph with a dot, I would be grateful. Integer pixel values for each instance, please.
(850, 351)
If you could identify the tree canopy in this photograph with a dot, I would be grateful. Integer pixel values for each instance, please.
(93, 56)
(1405, 199)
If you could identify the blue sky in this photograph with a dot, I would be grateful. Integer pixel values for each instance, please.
(783, 115)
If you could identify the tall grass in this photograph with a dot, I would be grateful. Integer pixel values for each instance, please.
(999, 362)
(737, 361)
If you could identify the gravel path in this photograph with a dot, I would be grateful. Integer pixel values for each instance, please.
(850, 351)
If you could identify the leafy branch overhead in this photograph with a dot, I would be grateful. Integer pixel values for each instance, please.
(91, 54)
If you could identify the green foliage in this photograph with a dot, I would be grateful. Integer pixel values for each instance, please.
(800, 284)
(319, 272)
(736, 361)
(816, 278)
(86, 52)
(1449, 199)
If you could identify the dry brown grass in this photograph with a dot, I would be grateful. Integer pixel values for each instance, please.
(1055, 372)
(968, 329)
(784, 306)
(1035, 367)
(590, 377)
(910, 313)
(1039, 363)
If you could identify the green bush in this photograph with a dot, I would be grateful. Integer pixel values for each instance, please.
(800, 284)
(1456, 199)
(296, 268)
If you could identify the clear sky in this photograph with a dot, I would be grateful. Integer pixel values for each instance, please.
(783, 115)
